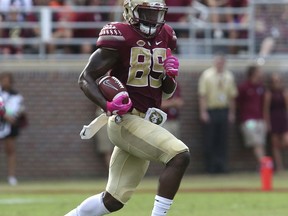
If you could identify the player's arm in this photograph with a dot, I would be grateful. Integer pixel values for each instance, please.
(171, 67)
(168, 85)
(100, 62)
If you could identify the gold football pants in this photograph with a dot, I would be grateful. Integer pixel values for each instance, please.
(137, 141)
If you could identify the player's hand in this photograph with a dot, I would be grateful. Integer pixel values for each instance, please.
(171, 64)
(2, 107)
(120, 105)
(204, 116)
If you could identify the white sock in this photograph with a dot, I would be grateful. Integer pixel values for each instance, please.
(92, 206)
(72, 213)
(161, 206)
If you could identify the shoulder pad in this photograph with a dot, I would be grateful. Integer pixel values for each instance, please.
(110, 29)
(110, 36)
(172, 38)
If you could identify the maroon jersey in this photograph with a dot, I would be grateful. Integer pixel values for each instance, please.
(278, 112)
(140, 65)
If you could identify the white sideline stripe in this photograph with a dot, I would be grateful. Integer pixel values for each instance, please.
(13, 201)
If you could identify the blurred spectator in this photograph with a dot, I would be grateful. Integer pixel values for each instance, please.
(103, 145)
(229, 18)
(9, 125)
(217, 91)
(34, 16)
(172, 107)
(266, 31)
(15, 33)
(115, 15)
(62, 17)
(275, 113)
(181, 18)
(177, 17)
(1, 29)
(114, 2)
(237, 20)
(26, 5)
(241, 19)
(217, 18)
(79, 2)
(271, 29)
(41, 2)
(92, 32)
(250, 107)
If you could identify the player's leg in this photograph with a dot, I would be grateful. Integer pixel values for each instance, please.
(276, 151)
(211, 141)
(11, 156)
(92, 206)
(172, 174)
(148, 141)
(260, 140)
(169, 183)
(222, 155)
(125, 173)
(254, 137)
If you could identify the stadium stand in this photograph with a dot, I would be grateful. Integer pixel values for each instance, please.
(257, 27)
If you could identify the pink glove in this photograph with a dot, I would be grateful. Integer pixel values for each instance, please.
(120, 104)
(171, 64)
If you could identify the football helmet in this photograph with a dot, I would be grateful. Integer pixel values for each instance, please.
(147, 16)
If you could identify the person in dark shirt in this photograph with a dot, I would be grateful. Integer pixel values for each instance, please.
(250, 106)
(275, 113)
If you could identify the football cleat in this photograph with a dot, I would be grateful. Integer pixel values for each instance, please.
(146, 16)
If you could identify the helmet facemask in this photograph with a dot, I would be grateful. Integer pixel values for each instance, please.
(148, 17)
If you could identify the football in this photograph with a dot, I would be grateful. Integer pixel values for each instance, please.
(110, 86)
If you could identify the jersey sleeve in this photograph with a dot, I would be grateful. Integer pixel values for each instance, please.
(110, 37)
(172, 38)
(173, 41)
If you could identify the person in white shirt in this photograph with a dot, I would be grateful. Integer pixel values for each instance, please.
(9, 124)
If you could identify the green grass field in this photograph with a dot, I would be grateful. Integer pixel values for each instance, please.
(226, 195)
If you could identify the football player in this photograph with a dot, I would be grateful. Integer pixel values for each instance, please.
(137, 52)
